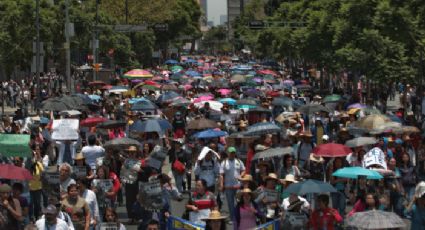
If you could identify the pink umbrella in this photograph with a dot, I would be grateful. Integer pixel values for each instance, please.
(267, 72)
(203, 98)
(187, 87)
(224, 91)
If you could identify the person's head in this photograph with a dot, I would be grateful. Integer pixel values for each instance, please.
(271, 181)
(153, 225)
(102, 172)
(83, 184)
(132, 152)
(50, 213)
(65, 170)
(17, 189)
(79, 159)
(215, 221)
(207, 105)
(338, 163)
(19, 161)
(110, 215)
(54, 200)
(287, 161)
(371, 201)
(5, 190)
(392, 163)
(405, 158)
(209, 156)
(323, 201)
(73, 191)
(91, 140)
(246, 196)
(201, 186)
(231, 151)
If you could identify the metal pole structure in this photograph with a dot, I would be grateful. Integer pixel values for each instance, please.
(68, 48)
(37, 52)
(94, 43)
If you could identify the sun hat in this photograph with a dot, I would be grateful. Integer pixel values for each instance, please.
(245, 177)
(245, 190)
(79, 156)
(215, 215)
(5, 188)
(289, 178)
(325, 137)
(315, 158)
(272, 176)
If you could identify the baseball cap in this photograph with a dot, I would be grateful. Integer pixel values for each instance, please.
(231, 150)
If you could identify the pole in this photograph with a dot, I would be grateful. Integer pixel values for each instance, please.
(94, 43)
(126, 11)
(68, 48)
(37, 52)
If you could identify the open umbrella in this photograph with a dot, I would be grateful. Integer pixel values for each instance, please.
(137, 73)
(372, 122)
(248, 101)
(229, 101)
(167, 97)
(332, 98)
(282, 101)
(214, 105)
(121, 143)
(360, 141)
(210, 133)
(201, 123)
(92, 121)
(12, 172)
(312, 108)
(171, 62)
(376, 219)
(238, 78)
(54, 104)
(356, 106)
(118, 89)
(111, 124)
(151, 125)
(262, 128)
(143, 105)
(310, 186)
(224, 91)
(97, 83)
(180, 101)
(273, 152)
(355, 172)
(176, 69)
(332, 150)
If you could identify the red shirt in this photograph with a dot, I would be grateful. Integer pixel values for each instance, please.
(319, 218)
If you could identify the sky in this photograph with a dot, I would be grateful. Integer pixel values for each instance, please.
(215, 9)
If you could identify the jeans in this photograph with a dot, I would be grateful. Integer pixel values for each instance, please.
(230, 197)
(35, 205)
(178, 178)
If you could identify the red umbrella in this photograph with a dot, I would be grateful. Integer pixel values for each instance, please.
(106, 87)
(92, 121)
(12, 172)
(332, 150)
(97, 83)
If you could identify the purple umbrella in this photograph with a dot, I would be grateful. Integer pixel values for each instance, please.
(288, 82)
(135, 81)
(257, 79)
(356, 106)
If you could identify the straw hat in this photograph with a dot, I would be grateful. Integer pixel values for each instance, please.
(4, 188)
(243, 191)
(245, 177)
(131, 149)
(243, 123)
(271, 176)
(315, 158)
(215, 215)
(289, 178)
(79, 156)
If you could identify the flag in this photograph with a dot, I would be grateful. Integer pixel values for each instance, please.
(175, 223)
(272, 225)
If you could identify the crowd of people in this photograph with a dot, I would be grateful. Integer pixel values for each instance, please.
(221, 172)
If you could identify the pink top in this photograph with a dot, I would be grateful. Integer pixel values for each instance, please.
(247, 219)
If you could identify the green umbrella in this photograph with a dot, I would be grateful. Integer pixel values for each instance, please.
(332, 98)
(15, 145)
(176, 68)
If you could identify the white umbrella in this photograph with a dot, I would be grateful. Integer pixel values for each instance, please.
(214, 105)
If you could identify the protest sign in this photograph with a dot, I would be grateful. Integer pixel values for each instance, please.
(129, 171)
(272, 196)
(176, 223)
(108, 226)
(51, 182)
(150, 195)
(104, 184)
(374, 157)
(65, 129)
(79, 171)
(15, 145)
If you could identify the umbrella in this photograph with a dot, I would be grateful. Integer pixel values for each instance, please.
(169, 87)
(70, 112)
(203, 98)
(355, 172)
(97, 83)
(210, 133)
(267, 72)
(372, 122)
(288, 82)
(253, 92)
(214, 105)
(180, 101)
(202, 123)
(356, 106)
(410, 129)
(143, 105)
(92, 121)
(273, 152)
(248, 101)
(118, 89)
(136, 99)
(176, 69)
(12, 172)
(171, 62)
(238, 78)
(15, 145)
(303, 87)
(312, 108)
(137, 73)
(224, 91)
(95, 97)
(54, 104)
(332, 150)
(151, 125)
(229, 101)
(360, 141)
(193, 73)
(282, 101)
(111, 124)
(167, 97)
(332, 98)
(376, 219)
(310, 186)
(121, 143)
(262, 128)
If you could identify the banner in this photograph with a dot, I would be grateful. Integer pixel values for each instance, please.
(51, 182)
(175, 223)
(15, 145)
(150, 195)
(79, 171)
(65, 129)
(272, 225)
(104, 184)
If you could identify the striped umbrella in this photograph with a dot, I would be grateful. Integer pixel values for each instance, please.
(376, 219)
(137, 73)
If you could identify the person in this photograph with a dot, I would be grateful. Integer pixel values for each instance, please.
(324, 217)
(179, 125)
(368, 202)
(106, 198)
(247, 210)
(65, 171)
(305, 147)
(215, 221)
(230, 170)
(315, 167)
(77, 208)
(288, 167)
(79, 161)
(90, 197)
(208, 169)
(152, 225)
(92, 151)
(17, 190)
(338, 198)
(269, 203)
(53, 200)
(67, 151)
(129, 176)
(50, 220)
(112, 217)
(408, 175)
(35, 186)
(200, 199)
(10, 209)
(177, 155)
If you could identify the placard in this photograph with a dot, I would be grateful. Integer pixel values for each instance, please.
(104, 184)
(51, 183)
(154, 163)
(108, 226)
(375, 156)
(51, 177)
(129, 171)
(296, 219)
(65, 129)
(272, 196)
(79, 171)
(150, 195)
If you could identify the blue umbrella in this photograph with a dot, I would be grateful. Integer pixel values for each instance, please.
(193, 73)
(165, 124)
(151, 125)
(95, 97)
(355, 172)
(191, 61)
(309, 186)
(282, 101)
(167, 97)
(228, 100)
(171, 62)
(210, 133)
(143, 105)
(136, 100)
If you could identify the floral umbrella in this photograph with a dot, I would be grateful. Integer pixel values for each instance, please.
(137, 73)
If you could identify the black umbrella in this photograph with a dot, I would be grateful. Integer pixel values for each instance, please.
(54, 104)
(144, 105)
(111, 124)
(262, 128)
(312, 108)
(282, 101)
(151, 125)
(309, 186)
(121, 143)
(273, 152)
(248, 101)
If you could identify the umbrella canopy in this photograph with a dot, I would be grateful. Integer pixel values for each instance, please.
(372, 122)
(92, 121)
(356, 106)
(355, 172)
(151, 125)
(180, 101)
(248, 101)
(70, 113)
(202, 123)
(97, 83)
(54, 104)
(210, 133)
(273, 152)
(169, 87)
(121, 143)
(171, 62)
(167, 97)
(118, 89)
(310, 186)
(410, 129)
(262, 128)
(360, 141)
(238, 78)
(332, 98)
(229, 101)
(137, 73)
(332, 150)
(282, 101)
(214, 105)
(224, 91)
(312, 108)
(12, 172)
(376, 219)
(15, 145)
(176, 69)
(111, 124)
(143, 105)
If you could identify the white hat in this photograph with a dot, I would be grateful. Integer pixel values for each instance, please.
(325, 137)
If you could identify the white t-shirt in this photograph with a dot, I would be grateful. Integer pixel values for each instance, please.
(91, 153)
(231, 170)
(60, 225)
(208, 171)
(91, 200)
(305, 206)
